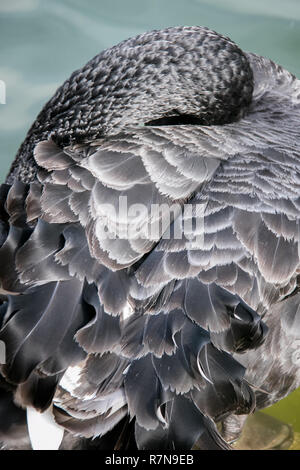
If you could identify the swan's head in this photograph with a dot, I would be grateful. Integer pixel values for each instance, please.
(186, 71)
(176, 76)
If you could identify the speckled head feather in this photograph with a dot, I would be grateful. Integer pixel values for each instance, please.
(182, 75)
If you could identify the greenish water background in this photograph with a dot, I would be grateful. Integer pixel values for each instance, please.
(42, 42)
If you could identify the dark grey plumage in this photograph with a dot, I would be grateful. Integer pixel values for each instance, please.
(221, 133)
(140, 80)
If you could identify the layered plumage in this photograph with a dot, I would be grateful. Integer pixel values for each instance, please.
(165, 330)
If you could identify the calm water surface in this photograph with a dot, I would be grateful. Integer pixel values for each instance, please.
(42, 42)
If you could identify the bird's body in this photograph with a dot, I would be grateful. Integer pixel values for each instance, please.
(165, 329)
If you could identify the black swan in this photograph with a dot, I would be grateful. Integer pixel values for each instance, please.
(150, 248)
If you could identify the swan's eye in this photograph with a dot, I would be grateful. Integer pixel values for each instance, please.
(176, 120)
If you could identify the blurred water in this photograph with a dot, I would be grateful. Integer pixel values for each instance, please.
(42, 42)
